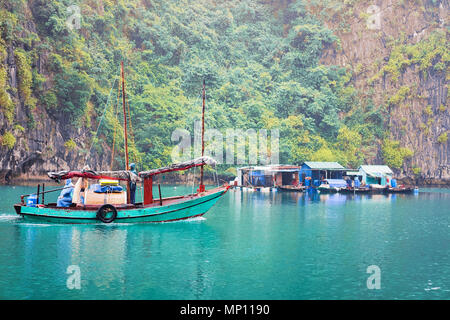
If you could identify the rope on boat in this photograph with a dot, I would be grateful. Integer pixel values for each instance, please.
(215, 176)
(195, 168)
(135, 157)
(100, 122)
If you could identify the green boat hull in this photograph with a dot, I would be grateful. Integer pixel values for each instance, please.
(183, 209)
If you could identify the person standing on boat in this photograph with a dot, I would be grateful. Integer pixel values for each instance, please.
(357, 182)
(133, 184)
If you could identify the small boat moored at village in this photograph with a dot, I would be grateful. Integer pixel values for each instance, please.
(331, 185)
(401, 189)
(291, 188)
(352, 190)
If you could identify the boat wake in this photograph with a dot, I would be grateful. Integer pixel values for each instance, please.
(9, 217)
(28, 224)
(194, 219)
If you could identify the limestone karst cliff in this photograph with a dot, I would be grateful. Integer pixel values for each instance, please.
(351, 81)
(395, 50)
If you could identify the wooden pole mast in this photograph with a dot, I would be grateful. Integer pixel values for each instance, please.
(125, 131)
(124, 118)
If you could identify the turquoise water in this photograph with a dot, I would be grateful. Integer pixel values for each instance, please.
(248, 246)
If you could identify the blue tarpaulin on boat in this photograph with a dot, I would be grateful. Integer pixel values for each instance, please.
(337, 183)
(32, 200)
(97, 188)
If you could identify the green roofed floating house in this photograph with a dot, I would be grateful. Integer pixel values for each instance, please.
(380, 178)
(379, 175)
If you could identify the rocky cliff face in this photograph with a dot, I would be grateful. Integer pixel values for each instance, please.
(398, 54)
(44, 149)
(32, 142)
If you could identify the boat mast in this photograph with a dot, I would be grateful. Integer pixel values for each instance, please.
(125, 130)
(124, 118)
(202, 186)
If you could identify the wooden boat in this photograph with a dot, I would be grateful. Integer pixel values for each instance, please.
(331, 185)
(401, 190)
(376, 188)
(291, 188)
(91, 209)
(327, 189)
(151, 210)
(350, 190)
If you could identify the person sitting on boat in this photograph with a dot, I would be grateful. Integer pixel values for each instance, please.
(133, 184)
(65, 197)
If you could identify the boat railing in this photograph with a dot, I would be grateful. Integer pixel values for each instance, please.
(39, 193)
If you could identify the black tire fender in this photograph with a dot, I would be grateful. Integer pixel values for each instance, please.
(103, 210)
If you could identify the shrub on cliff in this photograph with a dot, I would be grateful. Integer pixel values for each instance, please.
(393, 154)
(8, 140)
(25, 78)
(6, 104)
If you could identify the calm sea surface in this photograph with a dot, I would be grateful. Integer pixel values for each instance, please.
(250, 245)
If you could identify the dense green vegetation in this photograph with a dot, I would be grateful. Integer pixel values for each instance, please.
(260, 62)
(393, 154)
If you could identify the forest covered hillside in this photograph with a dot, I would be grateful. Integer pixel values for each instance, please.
(337, 84)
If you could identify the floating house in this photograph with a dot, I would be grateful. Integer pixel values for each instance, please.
(318, 171)
(375, 174)
(268, 176)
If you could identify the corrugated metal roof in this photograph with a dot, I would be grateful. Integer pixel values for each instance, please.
(376, 170)
(272, 168)
(324, 165)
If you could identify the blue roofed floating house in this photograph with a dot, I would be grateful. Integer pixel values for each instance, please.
(316, 171)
